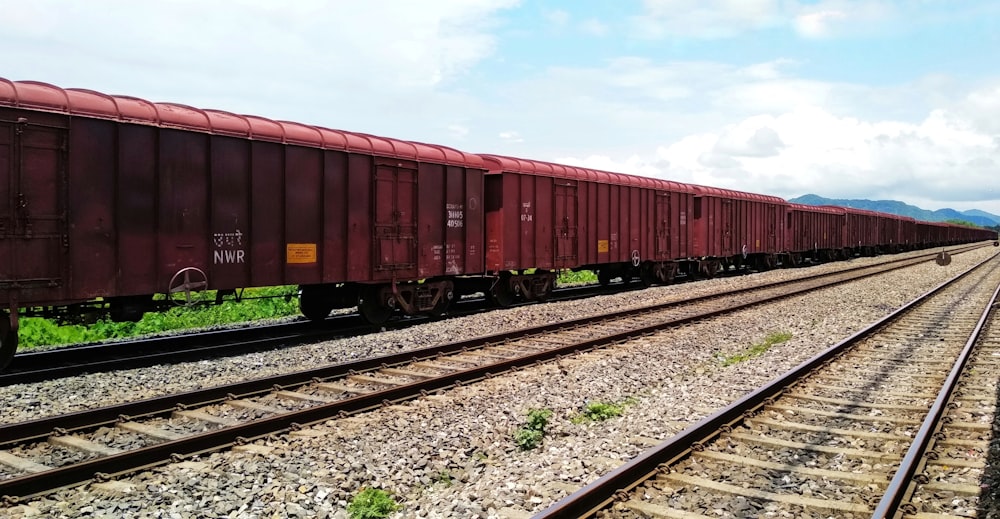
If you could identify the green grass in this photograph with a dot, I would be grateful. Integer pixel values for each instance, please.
(372, 503)
(756, 349)
(568, 277)
(37, 331)
(601, 411)
(530, 436)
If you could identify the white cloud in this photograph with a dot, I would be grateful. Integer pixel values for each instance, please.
(707, 18)
(818, 24)
(594, 27)
(420, 46)
(381, 67)
(558, 17)
(712, 19)
(458, 131)
(809, 149)
(511, 136)
(757, 128)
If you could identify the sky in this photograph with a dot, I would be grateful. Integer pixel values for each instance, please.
(874, 99)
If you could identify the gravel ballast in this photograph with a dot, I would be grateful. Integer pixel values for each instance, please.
(452, 455)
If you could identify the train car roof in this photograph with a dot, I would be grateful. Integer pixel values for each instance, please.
(738, 195)
(855, 210)
(34, 95)
(830, 209)
(499, 164)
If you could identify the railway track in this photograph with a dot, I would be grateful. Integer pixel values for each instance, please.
(856, 431)
(95, 445)
(111, 356)
(73, 361)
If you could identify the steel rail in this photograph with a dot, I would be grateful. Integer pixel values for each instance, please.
(101, 357)
(109, 356)
(117, 464)
(595, 496)
(900, 484)
(43, 427)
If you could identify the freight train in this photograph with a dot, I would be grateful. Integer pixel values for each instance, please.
(107, 201)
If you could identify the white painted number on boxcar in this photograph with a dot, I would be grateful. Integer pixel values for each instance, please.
(526, 214)
(228, 248)
(456, 215)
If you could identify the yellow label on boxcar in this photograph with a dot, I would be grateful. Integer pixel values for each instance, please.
(300, 253)
(602, 246)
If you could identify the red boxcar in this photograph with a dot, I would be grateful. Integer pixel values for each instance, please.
(862, 231)
(816, 233)
(119, 198)
(907, 232)
(736, 228)
(551, 216)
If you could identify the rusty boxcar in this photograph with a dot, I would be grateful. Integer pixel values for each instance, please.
(816, 233)
(733, 228)
(549, 216)
(119, 198)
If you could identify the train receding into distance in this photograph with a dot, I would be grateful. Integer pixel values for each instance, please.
(107, 201)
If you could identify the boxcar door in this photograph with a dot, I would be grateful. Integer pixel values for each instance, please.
(395, 220)
(33, 239)
(727, 227)
(565, 224)
(662, 226)
(772, 228)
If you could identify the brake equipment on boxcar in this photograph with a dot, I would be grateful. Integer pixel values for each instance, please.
(8, 338)
(186, 284)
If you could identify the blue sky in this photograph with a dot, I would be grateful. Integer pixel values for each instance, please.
(841, 98)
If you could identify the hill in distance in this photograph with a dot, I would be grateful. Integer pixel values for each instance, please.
(974, 216)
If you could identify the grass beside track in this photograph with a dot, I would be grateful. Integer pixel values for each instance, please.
(258, 304)
(266, 303)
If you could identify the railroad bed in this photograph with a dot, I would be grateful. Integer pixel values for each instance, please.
(243, 338)
(826, 438)
(472, 451)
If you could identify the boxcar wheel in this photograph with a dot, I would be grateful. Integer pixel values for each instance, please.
(371, 308)
(604, 277)
(8, 341)
(441, 307)
(314, 305)
(646, 276)
(500, 293)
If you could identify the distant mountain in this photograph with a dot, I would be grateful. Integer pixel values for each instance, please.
(895, 207)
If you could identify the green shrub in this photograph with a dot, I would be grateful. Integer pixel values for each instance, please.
(527, 439)
(530, 436)
(372, 503)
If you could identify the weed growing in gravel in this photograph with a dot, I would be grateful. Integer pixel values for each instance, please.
(371, 503)
(529, 436)
(600, 411)
(444, 478)
(757, 349)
